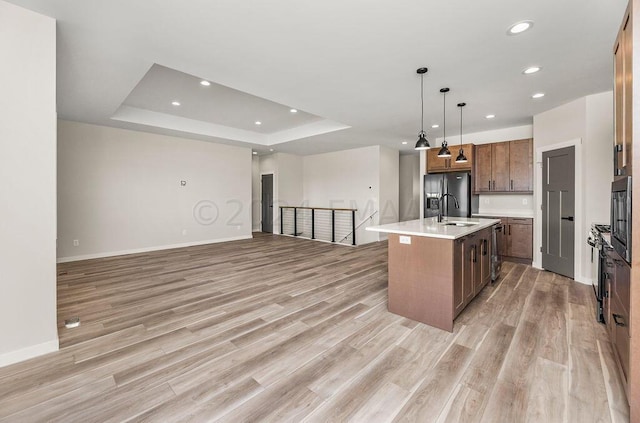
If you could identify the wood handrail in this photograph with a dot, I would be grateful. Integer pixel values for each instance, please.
(315, 208)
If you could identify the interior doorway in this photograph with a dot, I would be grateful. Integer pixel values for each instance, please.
(267, 203)
(558, 211)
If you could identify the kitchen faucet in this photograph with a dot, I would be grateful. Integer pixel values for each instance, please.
(440, 207)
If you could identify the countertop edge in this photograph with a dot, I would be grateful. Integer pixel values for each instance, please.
(467, 230)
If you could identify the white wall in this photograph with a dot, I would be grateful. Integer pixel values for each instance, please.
(28, 191)
(496, 204)
(389, 185)
(586, 123)
(409, 192)
(346, 179)
(287, 182)
(119, 191)
(290, 176)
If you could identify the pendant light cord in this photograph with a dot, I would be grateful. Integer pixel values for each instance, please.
(444, 117)
(422, 103)
(461, 126)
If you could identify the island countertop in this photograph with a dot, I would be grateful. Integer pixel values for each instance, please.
(430, 227)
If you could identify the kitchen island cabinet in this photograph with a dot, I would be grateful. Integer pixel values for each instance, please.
(436, 269)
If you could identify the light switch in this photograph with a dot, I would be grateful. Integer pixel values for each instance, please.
(405, 239)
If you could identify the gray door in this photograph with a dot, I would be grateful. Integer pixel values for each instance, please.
(558, 225)
(267, 203)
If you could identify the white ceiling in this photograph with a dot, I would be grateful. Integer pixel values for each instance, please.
(348, 66)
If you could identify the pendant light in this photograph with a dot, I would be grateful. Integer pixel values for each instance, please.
(461, 157)
(444, 151)
(423, 143)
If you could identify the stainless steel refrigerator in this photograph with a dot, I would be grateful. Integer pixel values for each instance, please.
(457, 184)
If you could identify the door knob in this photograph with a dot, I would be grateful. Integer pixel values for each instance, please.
(569, 218)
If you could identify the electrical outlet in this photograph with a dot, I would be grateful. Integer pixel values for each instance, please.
(405, 239)
(76, 243)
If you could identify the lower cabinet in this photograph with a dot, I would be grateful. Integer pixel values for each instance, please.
(520, 238)
(472, 267)
(616, 310)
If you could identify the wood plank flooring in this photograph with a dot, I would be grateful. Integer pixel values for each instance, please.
(278, 329)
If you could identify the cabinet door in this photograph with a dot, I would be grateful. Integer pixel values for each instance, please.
(500, 167)
(627, 59)
(468, 269)
(458, 276)
(482, 165)
(521, 165)
(618, 89)
(468, 152)
(502, 238)
(436, 164)
(519, 240)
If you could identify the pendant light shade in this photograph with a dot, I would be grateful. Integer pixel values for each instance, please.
(444, 150)
(461, 157)
(423, 143)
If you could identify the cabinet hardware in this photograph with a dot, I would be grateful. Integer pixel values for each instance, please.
(475, 258)
(485, 246)
(512, 185)
(615, 319)
(494, 185)
(509, 229)
(489, 184)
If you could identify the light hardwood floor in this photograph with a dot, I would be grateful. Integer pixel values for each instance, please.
(278, 329)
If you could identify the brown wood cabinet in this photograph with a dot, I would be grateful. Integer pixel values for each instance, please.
(617, 310)
(504, 167)
(437, 164)
(623, 94)
(521, 166)
(519, 234)
(472, 267)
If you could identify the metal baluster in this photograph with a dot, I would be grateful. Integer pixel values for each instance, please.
(333, 226)
(281, 221)
(295, 221)
(313, 223)
(353, 226)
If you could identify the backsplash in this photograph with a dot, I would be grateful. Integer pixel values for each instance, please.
(511, 204)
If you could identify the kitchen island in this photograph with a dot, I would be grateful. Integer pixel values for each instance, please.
(437, 268)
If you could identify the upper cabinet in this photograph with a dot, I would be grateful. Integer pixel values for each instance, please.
(504, 167)
(623, 94)
(437, 164)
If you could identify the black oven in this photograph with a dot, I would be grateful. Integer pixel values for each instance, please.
(621, 217)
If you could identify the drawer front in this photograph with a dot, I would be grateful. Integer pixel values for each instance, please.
(620, 335)
(521, 221)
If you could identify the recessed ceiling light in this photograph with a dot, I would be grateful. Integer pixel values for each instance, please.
(404, 143)
(490, 116)
(175, 103)
(532, 69)
(258, 122)
(255, 152)
(293, 111)
(435, 126)
(271, 149)
(205, 83)
(537, 95)
(519, 27)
